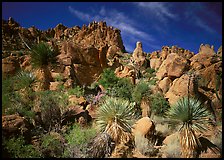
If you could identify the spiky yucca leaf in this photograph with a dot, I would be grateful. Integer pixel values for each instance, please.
(24, 79)
(196, 114)
(115, 116)
(194, 117)
(42, 55)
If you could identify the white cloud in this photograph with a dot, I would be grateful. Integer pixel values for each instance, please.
(160, 10)
(191, 15)
(202, 25)
(119, 20)
(79, 14)
(102, 11)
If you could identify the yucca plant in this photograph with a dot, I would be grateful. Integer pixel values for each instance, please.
(41, 56)
(195, 118)
(115, 117)
(24, 80)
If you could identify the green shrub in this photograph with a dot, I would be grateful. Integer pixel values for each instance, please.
(159, 104)
(152, 81)
(123, 89)
(116, 87)
(59, 78)
(140, 90)
(50, 110)
(108, 78)
(78, 91)
(7, 93)
(78, 138)
(17, 148)
(52, 145)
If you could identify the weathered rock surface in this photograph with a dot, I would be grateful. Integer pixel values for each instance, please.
(10, 65)
(138, 54)
(143, 127)
(173, 66)
(180, 88)
(165, 84)
(14, 124)
(155, 63)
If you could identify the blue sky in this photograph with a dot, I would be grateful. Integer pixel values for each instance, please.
(155, 24)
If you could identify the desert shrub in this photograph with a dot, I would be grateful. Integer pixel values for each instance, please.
(78, 91)
(144, 146)
(17, 148)
(7, 93)
(152, 81)
(116, 87)
(108, 78)
(59, 78)
(149, 72)
(14, 101)
(139, 91)
(123, 89)
(52, 145)
(50, 110)
(159, 105)
(77, 140)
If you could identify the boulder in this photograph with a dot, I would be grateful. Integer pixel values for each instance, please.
(165, 84)
(155, 63)
(14, 125)
(144, 127)
(112, 52)
(154, 55)
(173, 66)
(87, 74)
(73, 114)
(73, 99)
(179, 88)
(209, 75)
(171, 146)
(206, 56)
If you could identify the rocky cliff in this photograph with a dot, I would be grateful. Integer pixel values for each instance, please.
(83, 51)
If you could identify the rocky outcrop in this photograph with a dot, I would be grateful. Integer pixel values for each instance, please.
(173, 66)
(165, 84)
(89, 46)
(209, 75)
(205, 57)
(10, 65)
(138, 54)
(14, 125)
(155, 63)
(180, 88)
